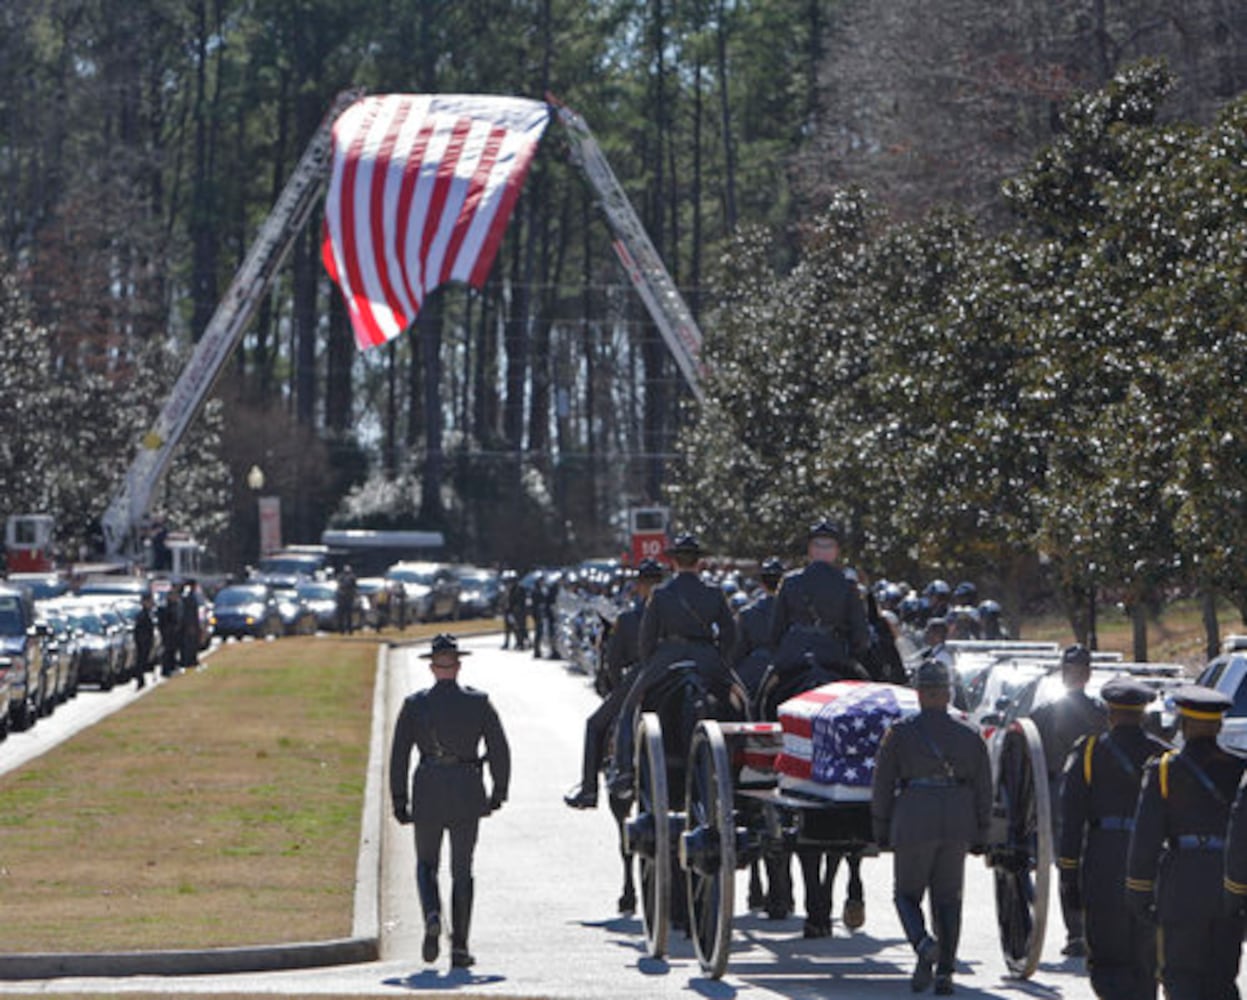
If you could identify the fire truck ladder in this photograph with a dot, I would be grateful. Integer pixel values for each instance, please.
(637, 254)
(234, 312)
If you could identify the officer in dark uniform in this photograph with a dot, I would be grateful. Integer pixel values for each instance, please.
(517, 613)
(685, 619)
(1235, 882)
(753, 652)
(537, 608)
(447, 794)
(1061, 724)
(931, 802)
(1099, 796)
(1176, 863)
(818, 613)
(169, 622)
(622, 656)
(144, 639)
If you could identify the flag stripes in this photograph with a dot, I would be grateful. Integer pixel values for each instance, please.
(421, 189)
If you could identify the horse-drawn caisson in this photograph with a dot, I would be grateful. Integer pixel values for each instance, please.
(710, 796)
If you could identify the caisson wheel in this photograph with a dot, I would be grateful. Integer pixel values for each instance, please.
(649, 837)
(708, 847)
(1022, 862)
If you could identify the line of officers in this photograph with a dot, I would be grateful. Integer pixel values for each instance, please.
(1152, 841)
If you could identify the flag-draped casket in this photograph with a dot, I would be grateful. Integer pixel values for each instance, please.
(832, 733)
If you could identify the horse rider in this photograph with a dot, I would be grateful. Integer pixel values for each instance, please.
(446, 794)
(1175, 868)
(1099, 796)
(931, 802)
(685, 619)
(622, 656)
(753, 651)
(1061, 724)
(818, 612)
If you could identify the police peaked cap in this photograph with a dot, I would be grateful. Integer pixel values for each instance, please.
(826, 529)
(1197, 702)
(649, 569)
(932, 674)
(1076, 655)
(686, 544)
(771, 567)
(1126, 692)
(444, 644)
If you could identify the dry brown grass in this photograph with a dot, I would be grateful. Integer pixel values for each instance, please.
(222, 809)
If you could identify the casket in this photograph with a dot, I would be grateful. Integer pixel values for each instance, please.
(832, 733)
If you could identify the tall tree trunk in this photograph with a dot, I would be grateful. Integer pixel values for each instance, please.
(1138, 629)
(306, 261)
(263, 354)
(202, 231)
(429, 327)
(1212, 628)
(389, 437)
(339, 398)
(725, 113)
(517, 337)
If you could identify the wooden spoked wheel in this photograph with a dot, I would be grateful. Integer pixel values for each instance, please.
(1022, 862)
(708, 847)
(649, 837)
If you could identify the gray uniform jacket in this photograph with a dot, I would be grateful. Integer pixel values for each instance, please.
(446, 723)
(919, 794)
(821, 595)
(753, 627)
(1062, 723)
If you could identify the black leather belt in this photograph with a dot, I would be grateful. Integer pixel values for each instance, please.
(1119, 823)
(933, 782)
(703, 639)
(449, 761)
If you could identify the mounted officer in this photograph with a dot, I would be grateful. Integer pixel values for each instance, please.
(447, 794)
(818, 616)
(685, 619)
(753, 651)
(1061, 724)
(931, 802)
(1099, 797)
(623, 654)
(1176, 863)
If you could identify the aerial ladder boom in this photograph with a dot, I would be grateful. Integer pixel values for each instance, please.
(234, 312)
(636, 253)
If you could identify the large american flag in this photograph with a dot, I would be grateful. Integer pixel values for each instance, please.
(420, 194)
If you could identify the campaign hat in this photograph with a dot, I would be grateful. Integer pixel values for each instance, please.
(649, 569)
(1076, 655)
(932, 673)
(685, 544)
(444, 643)
(826, 528)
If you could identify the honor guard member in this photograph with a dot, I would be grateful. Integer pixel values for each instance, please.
(447, 723)
(931, 802)
(753, 652)
(1099, 795)
(1061, 724)
(1176, 862)
(622, 656)
(1235, 897)
(684, 619)
(818, 611)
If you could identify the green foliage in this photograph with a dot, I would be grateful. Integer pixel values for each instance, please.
(1073, 387)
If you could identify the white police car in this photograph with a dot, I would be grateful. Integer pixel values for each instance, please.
(1227, 673)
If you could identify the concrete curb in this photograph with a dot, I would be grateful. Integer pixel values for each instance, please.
(363, 946)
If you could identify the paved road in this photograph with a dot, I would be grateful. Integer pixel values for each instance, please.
(547, 880)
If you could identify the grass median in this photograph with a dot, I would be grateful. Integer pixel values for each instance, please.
(222, 809)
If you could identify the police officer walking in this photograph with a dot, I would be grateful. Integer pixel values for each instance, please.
(1099, 796)
(931, 802)
(446, 794)
(169, 622)
(818, 614)
(1176, 864)
(144, 639)
(1061, 724)
(623, 653)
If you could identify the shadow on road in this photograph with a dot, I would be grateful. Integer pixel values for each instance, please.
(432, 979)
